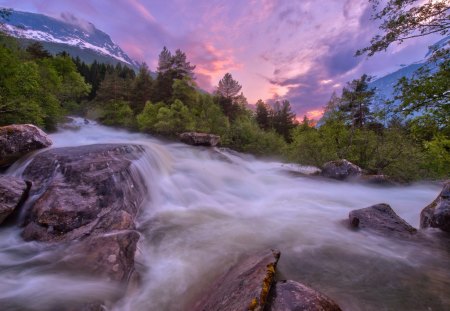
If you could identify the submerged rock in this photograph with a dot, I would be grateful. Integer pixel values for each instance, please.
(437, 214)
(381, 219)
(18, 140)
(244, 287)
(13, 192)
(200, 139)
(292, 295)
(340, 169)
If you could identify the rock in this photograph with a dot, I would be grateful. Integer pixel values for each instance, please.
(200, 139)
(381, 180)
(244, 287)
(88, 199)
(437, 214)
(18, 140)
(340, 169)
(13, 192)
(291, 295)
(381, 219)
(82, 189)
(107, 255)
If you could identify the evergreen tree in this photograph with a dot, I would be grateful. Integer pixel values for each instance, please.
(113, 88)
(284, 119)
(142, 89)
(263, 115)
(181, 67)
(36, 51)
(171, 68)
(355, 101)
(228, 87)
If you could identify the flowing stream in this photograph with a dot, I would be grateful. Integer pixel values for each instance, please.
(209, 207)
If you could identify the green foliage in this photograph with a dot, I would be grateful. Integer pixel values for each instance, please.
(246, 136)
(36, 90)
(427, 93)
(355, 101)
(406, 19)
(168, 120)
(118, 113)
(183, 90)
(263, 115)
(209, 117)
(283, 120)
(142, 89)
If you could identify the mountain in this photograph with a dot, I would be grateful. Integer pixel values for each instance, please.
(71, 35)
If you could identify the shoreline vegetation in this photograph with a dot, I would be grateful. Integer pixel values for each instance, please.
(407, 139)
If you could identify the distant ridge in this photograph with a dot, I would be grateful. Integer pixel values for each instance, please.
(78, 39)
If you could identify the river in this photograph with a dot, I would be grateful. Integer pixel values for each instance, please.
(209, 207)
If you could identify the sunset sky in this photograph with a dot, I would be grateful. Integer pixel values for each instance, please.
(290, 49)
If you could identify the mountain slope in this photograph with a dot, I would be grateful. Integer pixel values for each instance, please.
(83, 40)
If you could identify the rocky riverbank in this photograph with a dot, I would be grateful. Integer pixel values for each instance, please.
(87, 200)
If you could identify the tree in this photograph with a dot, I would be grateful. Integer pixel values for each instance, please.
(427, 93)
(263, 115)
(355, 101)
(37, 51)
(406, 19)
(142, 89)
(170, 68)
(113, 88)
(228, 87)
(284, 119)
(181, 67)
(228, 93)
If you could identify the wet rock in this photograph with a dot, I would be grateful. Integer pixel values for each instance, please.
(244, 287)
(380, 180)
(200, 139)
(381, 219)
(89, 197)
(82, 188)
(437, 214)
(340, 169)
(13, 192)
(291, 295)
(110, 256)
(18, 140)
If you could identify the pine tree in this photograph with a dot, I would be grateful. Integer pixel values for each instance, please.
(142, 89)
(228, 87)
(355, 101)
(165, 61)
(263, 115)
(284, 119)
(181, 67)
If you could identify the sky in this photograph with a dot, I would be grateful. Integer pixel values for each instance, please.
(299, 50)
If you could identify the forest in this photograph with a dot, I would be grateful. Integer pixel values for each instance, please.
(406, 142)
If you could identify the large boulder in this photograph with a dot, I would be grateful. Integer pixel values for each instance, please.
(244, 287)
(13, 192)
(87, 200)
(437, 214)
(18, 140)
(292, 295)
(81, 188)
(341, 169)
(382, 219)
(200, 139)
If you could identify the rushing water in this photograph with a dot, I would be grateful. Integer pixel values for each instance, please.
(209, 207)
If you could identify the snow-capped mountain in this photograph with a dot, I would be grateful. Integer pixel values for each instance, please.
(71, 35)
